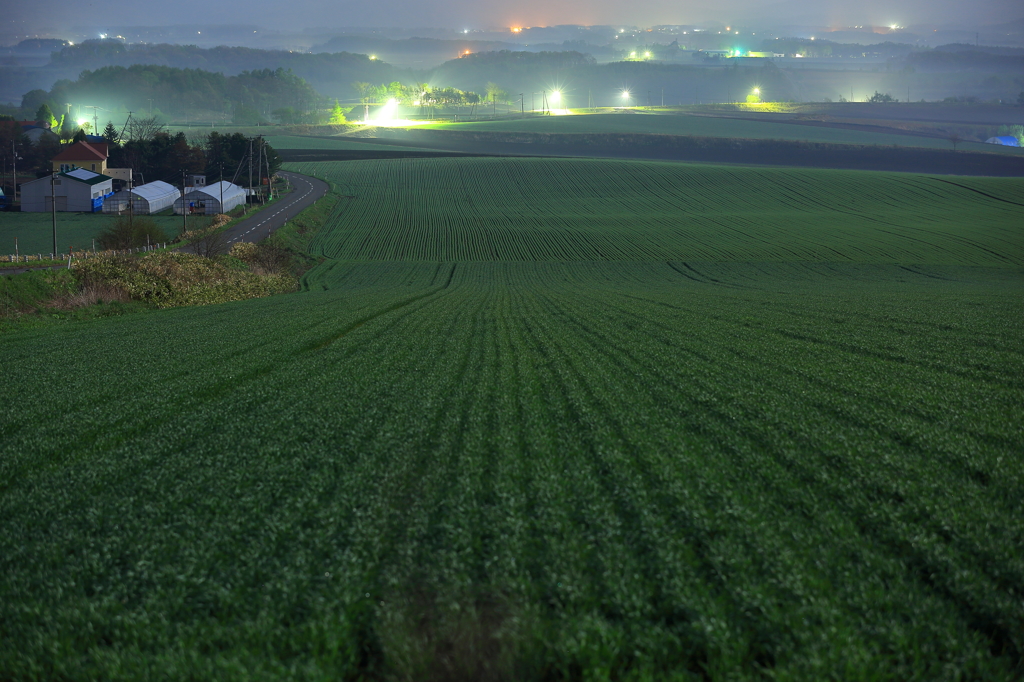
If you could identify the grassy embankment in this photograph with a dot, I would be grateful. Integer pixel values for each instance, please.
(545, 419)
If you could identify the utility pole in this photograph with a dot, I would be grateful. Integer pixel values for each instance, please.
(663, 97)
(221, 187)
(53, 210)
(522, 106)
(14, 169)
(131, 201)
(259, 168)
(184, 203)
(250, 174)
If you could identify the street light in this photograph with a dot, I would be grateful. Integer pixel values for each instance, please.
(625, 96)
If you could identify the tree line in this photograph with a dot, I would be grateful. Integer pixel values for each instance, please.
(165, 156)
(247, 98)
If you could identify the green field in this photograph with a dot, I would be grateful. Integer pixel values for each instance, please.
(545, 419)
(706, 126)
(34, 231)
(583, 209)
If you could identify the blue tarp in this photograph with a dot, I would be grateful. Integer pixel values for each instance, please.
(1007, 140)
(97, 203)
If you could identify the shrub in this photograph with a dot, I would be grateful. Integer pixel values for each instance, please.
(131, 232)
(175, 279)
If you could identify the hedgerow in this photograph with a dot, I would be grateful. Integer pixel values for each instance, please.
(177, 279)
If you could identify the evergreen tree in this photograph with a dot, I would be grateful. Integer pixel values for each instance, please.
(110, 133)
(337, 115)
(45, 117)
(79, 136)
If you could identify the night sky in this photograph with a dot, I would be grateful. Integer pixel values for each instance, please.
(481, 14)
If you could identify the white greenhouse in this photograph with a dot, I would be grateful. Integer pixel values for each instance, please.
(145, 199)
(207, 200)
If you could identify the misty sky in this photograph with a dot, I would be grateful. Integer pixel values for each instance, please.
(25, 18)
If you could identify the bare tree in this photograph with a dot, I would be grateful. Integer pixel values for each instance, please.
(208, 242)
(144, 128)
(954, 139)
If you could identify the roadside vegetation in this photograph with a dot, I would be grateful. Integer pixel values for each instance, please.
(211, 272)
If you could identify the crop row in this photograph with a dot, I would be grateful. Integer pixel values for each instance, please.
(659, 467)
(581, 209)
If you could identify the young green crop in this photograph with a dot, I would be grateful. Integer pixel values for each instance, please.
(574, 209)
(535, 465)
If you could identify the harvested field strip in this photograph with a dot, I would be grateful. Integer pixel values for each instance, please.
(704, 126)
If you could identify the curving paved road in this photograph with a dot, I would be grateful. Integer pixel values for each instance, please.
(307, 190)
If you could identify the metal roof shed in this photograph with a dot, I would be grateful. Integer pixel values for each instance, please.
(146, 199)
(207, 200)
(77, 190)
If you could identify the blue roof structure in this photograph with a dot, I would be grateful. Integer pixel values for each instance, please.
(1006, 140)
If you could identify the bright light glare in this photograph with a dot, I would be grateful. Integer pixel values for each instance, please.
(757, 91)
(556, 95)
(625, 94)
(647, 55)
(386, 114)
